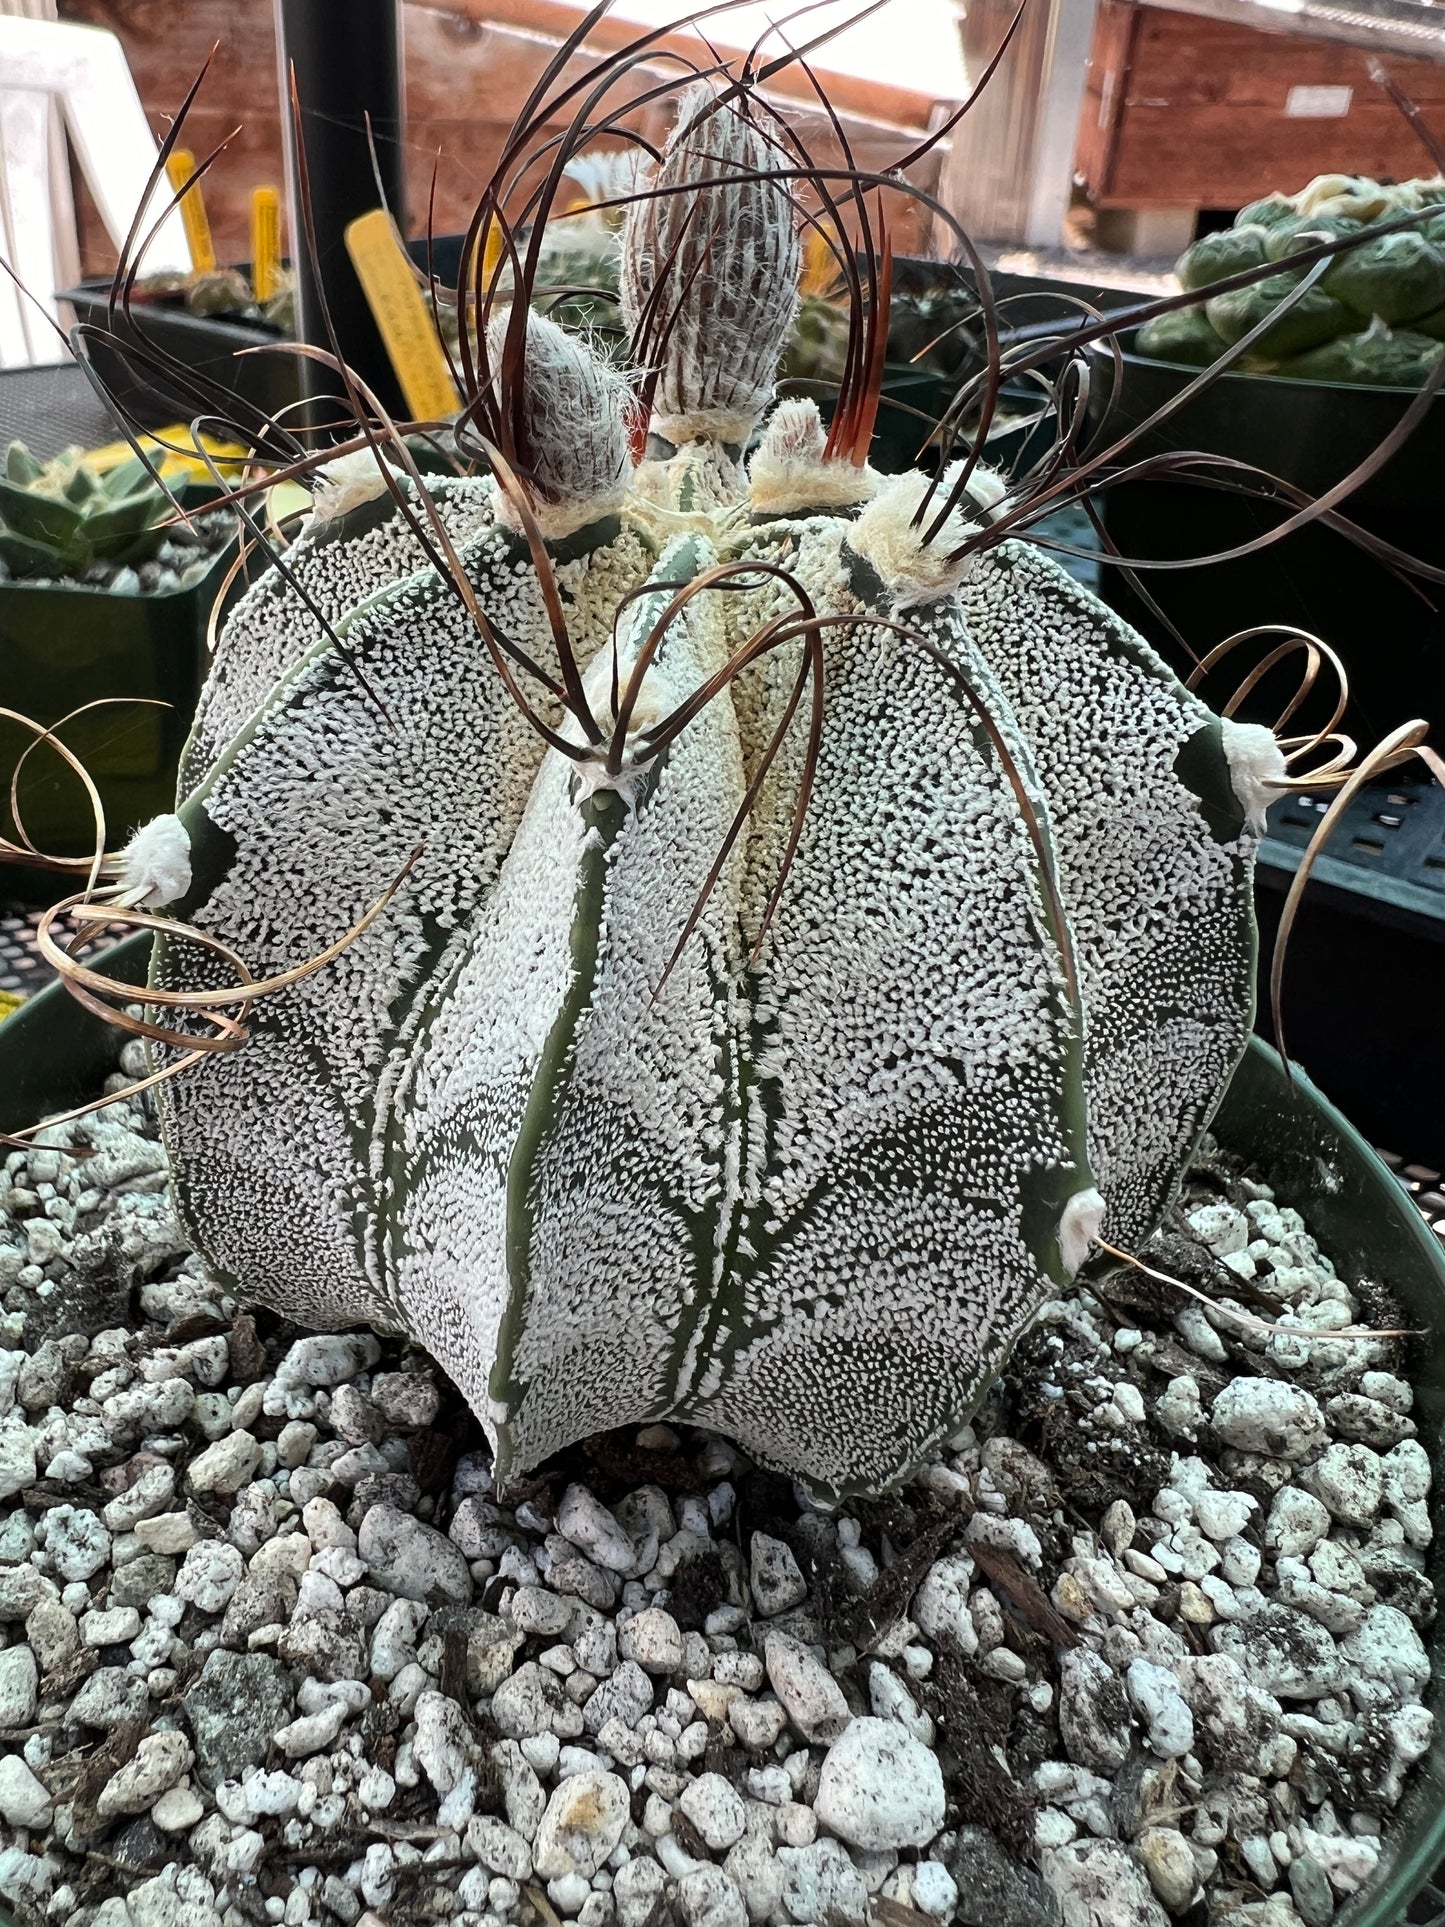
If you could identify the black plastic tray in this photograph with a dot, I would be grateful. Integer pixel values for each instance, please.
(1311, 434)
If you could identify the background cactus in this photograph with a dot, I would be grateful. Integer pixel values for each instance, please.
(1377, 315)
(813, 915)
(59, 518)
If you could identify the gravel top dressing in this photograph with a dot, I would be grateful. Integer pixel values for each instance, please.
(183, 559)
(1146, 1644)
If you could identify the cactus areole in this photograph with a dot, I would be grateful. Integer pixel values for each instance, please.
(848, 919)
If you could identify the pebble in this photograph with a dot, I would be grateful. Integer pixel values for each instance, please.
(235, 1706)
(1297, 1522)
(326, 1359)
(114, 1628)
(1283, 1651)
(25, 1801)
(890, 1699)
(110, 1697)
(209, 1575)
(412, 1560)
(586, 1523)
(77, 1542)
(1269, 1416)
(1093, 1881)
(581, 1826)
(940, 1606)
(441, 1743)
(708, 1898)
(499, 1847)
(1350, 1479)
(1169, 1862)
(161, 1759)
(653, 1639)
(777, 1584)
(879, 1787)
(1155, 1696)
(312, 1733)
(815, 1702)
(19, 1684)
(171, 1533)
(225, 1466)
(934, 1890)
(636, 1890)
(820, 1883)
(177, 1810)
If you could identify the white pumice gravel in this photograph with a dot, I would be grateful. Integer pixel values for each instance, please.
(1144, 1643)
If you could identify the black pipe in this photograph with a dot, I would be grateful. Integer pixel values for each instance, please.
(346, 58)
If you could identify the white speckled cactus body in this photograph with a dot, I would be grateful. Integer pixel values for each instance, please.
(807, 1179)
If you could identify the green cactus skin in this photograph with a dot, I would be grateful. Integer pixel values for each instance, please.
(809, 1184)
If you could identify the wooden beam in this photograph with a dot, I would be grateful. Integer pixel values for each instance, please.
(553, 20)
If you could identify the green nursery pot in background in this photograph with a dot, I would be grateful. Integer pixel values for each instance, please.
(64, 645)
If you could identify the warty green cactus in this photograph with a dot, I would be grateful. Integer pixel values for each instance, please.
(815, 918)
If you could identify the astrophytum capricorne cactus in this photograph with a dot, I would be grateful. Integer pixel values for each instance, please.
(848, 916)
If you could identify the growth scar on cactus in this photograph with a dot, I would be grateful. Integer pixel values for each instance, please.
(785, 918)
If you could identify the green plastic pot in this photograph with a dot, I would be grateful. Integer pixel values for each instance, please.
(219, 349)
(1311, 434)
(53, 1055)
(64, 645)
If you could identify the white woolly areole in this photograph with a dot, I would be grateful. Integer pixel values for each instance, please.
(985, 485)
(887, 537)
(787, 471)
(1079, 1226)
(574, 425)
(155, 866)
(1256, 768)
(557, 520)
(727, 257)
(345, 484)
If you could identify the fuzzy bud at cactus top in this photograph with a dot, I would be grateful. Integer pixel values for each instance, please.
(788, 471)
(573, 443)
(728, 261)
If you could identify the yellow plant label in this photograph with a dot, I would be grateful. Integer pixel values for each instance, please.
(403, 317)
(493, 240)
(820, 264)
(265, 243)
(180, 168)
(166, 448)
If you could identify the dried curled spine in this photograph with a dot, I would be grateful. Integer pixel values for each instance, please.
(711, 274)
(788, 472)
(574, 446)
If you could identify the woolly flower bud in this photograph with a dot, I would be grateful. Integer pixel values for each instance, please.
(574, 447)
(788, 472)
(727, 258)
